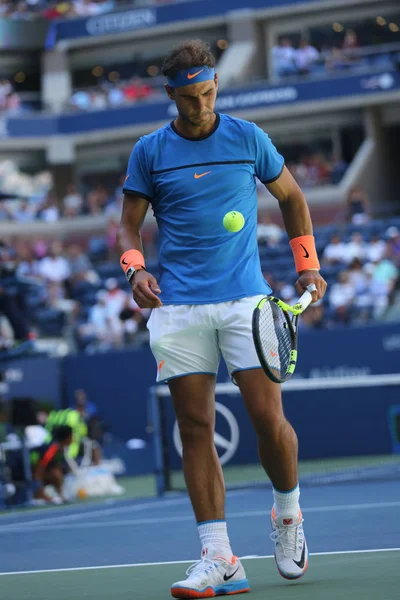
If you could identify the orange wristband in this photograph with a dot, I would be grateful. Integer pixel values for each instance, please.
(305, 253)
(132, 258)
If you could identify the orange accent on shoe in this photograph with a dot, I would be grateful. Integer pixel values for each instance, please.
(273, 514)
(232, 562)
(207, 593)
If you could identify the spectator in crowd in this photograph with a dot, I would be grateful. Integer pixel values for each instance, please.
(25, 213)
(341, 297)
(375, 249)
(49, 211)
(89, 414)
(97, 199)
(357, 206)
(305, 57)
(356, 273)
(103, 330)
(132, 318)
(47, 464)
(12, 297)
(354, 248)
(72, 202)
(84, 406)
(314, 317)
(81, 100)
(28, 266)
(393, 237)
(350, 41)
(80, 267)
(338, 168)
(116, 96)
(268, 233)
(55, 270)
(334, 251)
(284, 58)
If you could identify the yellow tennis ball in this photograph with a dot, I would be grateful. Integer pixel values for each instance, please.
(233, 221)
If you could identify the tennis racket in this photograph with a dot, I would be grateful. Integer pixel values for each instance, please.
(275, 334)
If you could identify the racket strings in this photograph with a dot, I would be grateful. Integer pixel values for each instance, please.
(275, 337)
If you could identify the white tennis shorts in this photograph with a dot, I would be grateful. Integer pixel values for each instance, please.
(188, 339)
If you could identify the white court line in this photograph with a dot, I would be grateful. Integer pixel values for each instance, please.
(184, 562)
(101, 512)
(23, 528)
(156, 503)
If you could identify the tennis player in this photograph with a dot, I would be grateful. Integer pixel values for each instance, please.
(193, 171)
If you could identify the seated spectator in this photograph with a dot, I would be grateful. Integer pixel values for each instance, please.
(47, 464)
(80, 267)
(116, 96)
(334, 251)
(284, 58)
(73, 202)
(55, 267)
(393, 236)
(386, 273)
(355, 248)
(341, 297)
(97, 199)
(132, 319)
(372, 298)
(305, 57)
(268, 233)
(81, 100)
(336, 60)
(376, 249)
(356, 273)
(49, 211)
(357, 206)
(12, 297)
(89, 413)
(111, 237)
(136, 89)
(115, 297)
(314, 316)
(28, 266)
(350, 46)
(24, 213)
(103, 330)
(338, 168)
(85, 407)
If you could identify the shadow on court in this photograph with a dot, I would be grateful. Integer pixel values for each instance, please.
(358, 576)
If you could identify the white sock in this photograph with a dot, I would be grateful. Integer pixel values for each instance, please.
(214, 539)
(287, 503)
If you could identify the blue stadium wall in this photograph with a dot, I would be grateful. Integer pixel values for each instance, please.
(329, 423)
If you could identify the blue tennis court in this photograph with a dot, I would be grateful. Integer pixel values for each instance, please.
(136, 549)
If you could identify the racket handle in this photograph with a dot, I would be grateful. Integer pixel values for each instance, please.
(306, 298)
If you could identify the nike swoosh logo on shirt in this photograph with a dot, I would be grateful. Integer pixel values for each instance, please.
(306, 255)
(201, 174)
(228, 577)
(191, 75)
(300, 563)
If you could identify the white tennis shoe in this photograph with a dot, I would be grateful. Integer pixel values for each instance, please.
(291, 552)
(210, 577)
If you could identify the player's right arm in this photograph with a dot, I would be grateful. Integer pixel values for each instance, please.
(144, 286)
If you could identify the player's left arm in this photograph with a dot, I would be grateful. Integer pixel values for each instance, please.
(297, 220)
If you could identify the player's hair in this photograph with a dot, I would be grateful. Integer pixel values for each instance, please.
(188, 54)
(62, 433)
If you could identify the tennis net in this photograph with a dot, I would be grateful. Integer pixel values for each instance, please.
(348, 430)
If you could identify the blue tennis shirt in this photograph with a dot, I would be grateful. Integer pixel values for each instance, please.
(191, 184)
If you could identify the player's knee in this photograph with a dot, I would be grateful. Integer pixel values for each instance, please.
(269, 422)
(195, 429)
